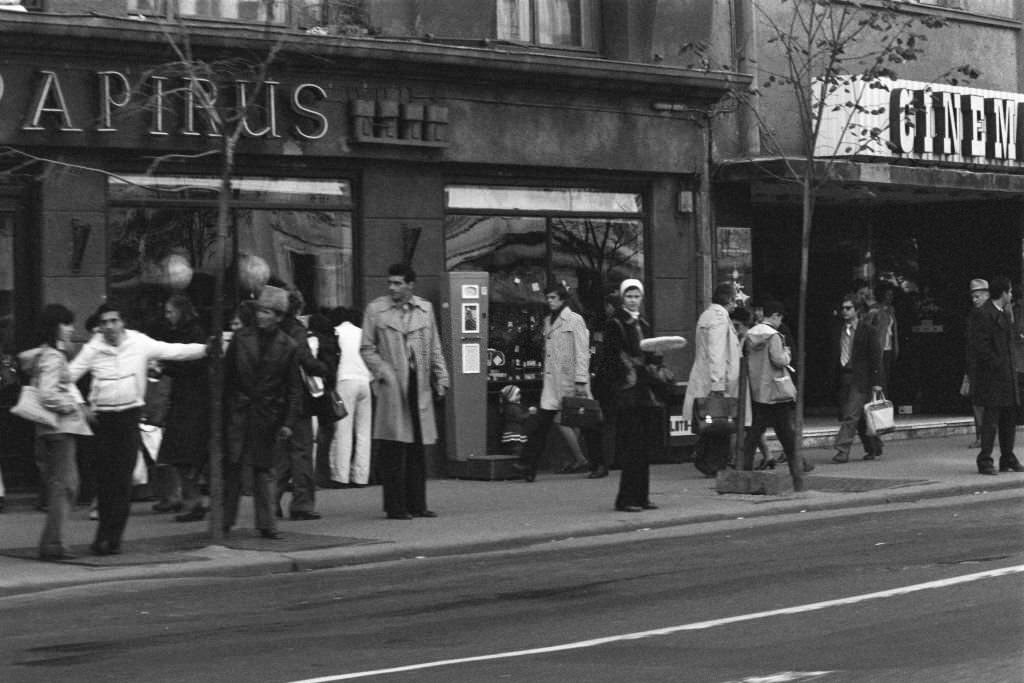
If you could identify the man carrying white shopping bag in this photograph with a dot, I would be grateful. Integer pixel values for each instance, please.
(859, 365)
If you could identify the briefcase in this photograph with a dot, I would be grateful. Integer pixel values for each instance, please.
(715, 415)
(584, 413)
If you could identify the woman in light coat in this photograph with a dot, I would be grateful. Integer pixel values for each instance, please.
(47, 365)
(716, 370)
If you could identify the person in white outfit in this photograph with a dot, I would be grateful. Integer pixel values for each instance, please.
(350, 451)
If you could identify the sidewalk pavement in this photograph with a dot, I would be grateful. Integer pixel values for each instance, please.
(476, 516)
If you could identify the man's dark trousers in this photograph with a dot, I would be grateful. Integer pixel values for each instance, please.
(851, 417)
(1001, 420)
(117, 447)
(402, 466)
(295, 463)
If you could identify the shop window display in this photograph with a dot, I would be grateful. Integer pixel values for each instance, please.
(525, 238)
(163, 232)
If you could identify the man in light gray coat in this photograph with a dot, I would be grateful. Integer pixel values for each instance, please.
(402, 350)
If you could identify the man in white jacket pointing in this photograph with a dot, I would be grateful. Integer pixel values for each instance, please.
(118, 360)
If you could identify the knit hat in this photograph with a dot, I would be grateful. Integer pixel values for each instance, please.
(977, 284)
(510, 393)
(630, 283)
(274, 298)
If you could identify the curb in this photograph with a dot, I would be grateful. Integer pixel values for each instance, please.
(268, 562)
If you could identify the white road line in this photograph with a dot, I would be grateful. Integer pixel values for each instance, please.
(668, 630)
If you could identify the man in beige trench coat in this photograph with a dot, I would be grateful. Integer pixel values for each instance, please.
(402, 350)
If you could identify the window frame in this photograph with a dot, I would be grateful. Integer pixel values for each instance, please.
(295, 15)
(529, 8)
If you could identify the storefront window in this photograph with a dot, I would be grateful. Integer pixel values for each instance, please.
(301, 229)
(525, 238)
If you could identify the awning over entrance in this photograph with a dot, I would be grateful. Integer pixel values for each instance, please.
(775, 180)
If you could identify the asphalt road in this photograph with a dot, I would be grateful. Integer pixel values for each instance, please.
(913, 593)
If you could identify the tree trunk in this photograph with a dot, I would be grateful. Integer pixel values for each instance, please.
(217, 365)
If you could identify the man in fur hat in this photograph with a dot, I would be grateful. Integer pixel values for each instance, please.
(263, 399)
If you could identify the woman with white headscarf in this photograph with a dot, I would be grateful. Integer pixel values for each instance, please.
(640, 415)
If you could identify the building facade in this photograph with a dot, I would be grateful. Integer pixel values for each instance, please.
(527, 142)
(932, 202)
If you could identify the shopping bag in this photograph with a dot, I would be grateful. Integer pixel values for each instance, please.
(30, 407)
(584, 413)
(782, 389)
(879, 415)
(715, 415)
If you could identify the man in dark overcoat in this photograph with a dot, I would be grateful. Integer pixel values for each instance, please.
(990, 346)
(858, 362)
(263, 399)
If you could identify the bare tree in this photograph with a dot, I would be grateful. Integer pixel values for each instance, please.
(225, 92)
(818, 51)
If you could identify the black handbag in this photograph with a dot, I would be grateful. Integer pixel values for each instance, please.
(584, 413)
(329, 406)
(715, 415)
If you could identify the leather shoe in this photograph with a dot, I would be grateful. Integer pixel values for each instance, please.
(304, 516)
(840, 458)
(271, 534)
(399, 515)
(628, 508)
(104, 548)
(330, 484)
(1012, 467)
(168, 506)
(649, 506)
(987, 470)
(871, 456)
(425, 513)
(58, 556)
(196, 514)
(808, 465)
(598, 473)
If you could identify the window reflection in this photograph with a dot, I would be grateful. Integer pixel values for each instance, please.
(309, 246)
(467, 197)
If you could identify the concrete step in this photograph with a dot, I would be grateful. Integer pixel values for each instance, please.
(818, 434)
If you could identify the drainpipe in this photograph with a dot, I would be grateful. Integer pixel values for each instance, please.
(745, 48)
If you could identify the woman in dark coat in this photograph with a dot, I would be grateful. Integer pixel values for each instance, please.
(185, 443)
(639, 415)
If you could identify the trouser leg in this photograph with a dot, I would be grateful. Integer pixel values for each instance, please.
(989, 423)
(232, 491)
(118, 446)
(535, 442)
(61, 486)
(391, 467)
(263, 498)
(300, 456)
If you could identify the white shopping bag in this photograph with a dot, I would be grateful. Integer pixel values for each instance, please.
(150, 438)
(879, 415)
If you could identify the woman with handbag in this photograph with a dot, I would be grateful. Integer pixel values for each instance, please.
(47, 365)
(639, 412)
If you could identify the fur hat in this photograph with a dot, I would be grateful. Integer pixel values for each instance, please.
(978, 284)
(274, 298)
(630, 283)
